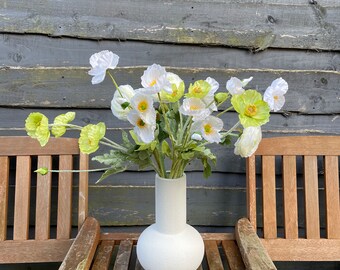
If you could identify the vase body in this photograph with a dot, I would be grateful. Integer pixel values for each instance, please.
(170, 243)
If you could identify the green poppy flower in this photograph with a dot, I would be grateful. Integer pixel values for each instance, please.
(90, 136)
(199, 89)
(177, 93)
(36, 126)
(60, 122)
(253, 111)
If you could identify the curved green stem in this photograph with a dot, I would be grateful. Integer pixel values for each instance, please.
(226, 110)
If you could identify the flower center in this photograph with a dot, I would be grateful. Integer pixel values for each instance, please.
(142, 106)
(208, 128)
(174, 93)
(251, 110)
(140, 123)
(276, 98)
(153, 83)
(197, 89)
(194, 107)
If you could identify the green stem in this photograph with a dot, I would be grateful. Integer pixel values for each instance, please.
(115, 146)
(115, 83)
(79, 171)
(160, 162)
(226, 110)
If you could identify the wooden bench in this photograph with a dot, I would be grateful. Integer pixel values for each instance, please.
(31, 240)
(302, 239)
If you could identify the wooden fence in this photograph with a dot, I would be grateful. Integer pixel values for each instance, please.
(44, 53)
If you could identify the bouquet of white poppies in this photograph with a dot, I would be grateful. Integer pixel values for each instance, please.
(168, 121)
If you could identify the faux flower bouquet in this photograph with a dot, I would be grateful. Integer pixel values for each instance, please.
(168, 121)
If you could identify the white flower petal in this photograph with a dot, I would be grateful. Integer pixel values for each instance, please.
(154, 77)
(247, 144)
(214, 85)
(98, 78)
(234, 86)
(196, 137)
(100, 62)
(246, 81)
(280, 85)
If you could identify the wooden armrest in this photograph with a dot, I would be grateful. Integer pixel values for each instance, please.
(255, 256)
(82, 250)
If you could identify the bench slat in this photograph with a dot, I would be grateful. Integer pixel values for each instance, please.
(213, 255)
(43, 200)
(269, 197)
(290, 197)
(332, 196)
(233, 255)
(22, 198)
(4, 175)
(103, 256)
(123, 256)
(64, 198)
(311, 197)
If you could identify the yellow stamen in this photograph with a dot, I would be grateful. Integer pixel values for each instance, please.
(197, 89)
(208, 128)
(251, 110)
(153, 83)
(140, 123)
(276, 98)
(142, 106)
(194, 107)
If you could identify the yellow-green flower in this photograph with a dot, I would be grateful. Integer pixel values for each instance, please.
(221, 97)
(60, 122)
(36, 126)
(199, 89)
(177, 93)
(90, 136)
(253, 111)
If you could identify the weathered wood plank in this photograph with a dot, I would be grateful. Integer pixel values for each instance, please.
(314, 91)
(300, 24)
(12, 121)
(123, 256)
(103, 255)
(38, 50)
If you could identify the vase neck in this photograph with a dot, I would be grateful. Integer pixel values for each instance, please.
(170, 204)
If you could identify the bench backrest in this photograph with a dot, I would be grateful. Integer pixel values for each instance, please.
(20, 156)
(278, 166)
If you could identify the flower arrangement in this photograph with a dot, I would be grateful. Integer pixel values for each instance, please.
(168, 121)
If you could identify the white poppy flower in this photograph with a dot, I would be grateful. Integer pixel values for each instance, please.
(196, 137)
(143, 104)
(274, 95)
(194, 107)
(235, 85)
(119, 98)
(209, 128)
(247, 144)
(100, 62)
(154, 79)
(209, 98)
(145, 131)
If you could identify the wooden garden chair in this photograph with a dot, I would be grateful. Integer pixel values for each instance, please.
(17, 156)
(300, 240)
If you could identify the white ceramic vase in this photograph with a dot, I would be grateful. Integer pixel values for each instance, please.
(170, 243)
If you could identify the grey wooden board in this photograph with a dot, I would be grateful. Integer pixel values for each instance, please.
(311, 91)
(252, 24)
(134, 206)
(13, 120)
(38, 50)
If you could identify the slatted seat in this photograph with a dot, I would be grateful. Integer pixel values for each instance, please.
(318, 157)
(19, 156)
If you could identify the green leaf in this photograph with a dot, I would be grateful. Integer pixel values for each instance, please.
(207, 168)
(126, 141)
(188, 155)
(111, 158)
(111, 171)
(166, 149)
(125, 105)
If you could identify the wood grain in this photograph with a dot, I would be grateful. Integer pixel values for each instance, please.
(22, 198)
(213, 255)
(123, 256)
(269, 197)
(311, 197)
(102, 258)
(4, 175)
(290, 205)
(65, 183)
(311, 91)
(332, 196)
(233, 255)
(290, 24)
(43, 200)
